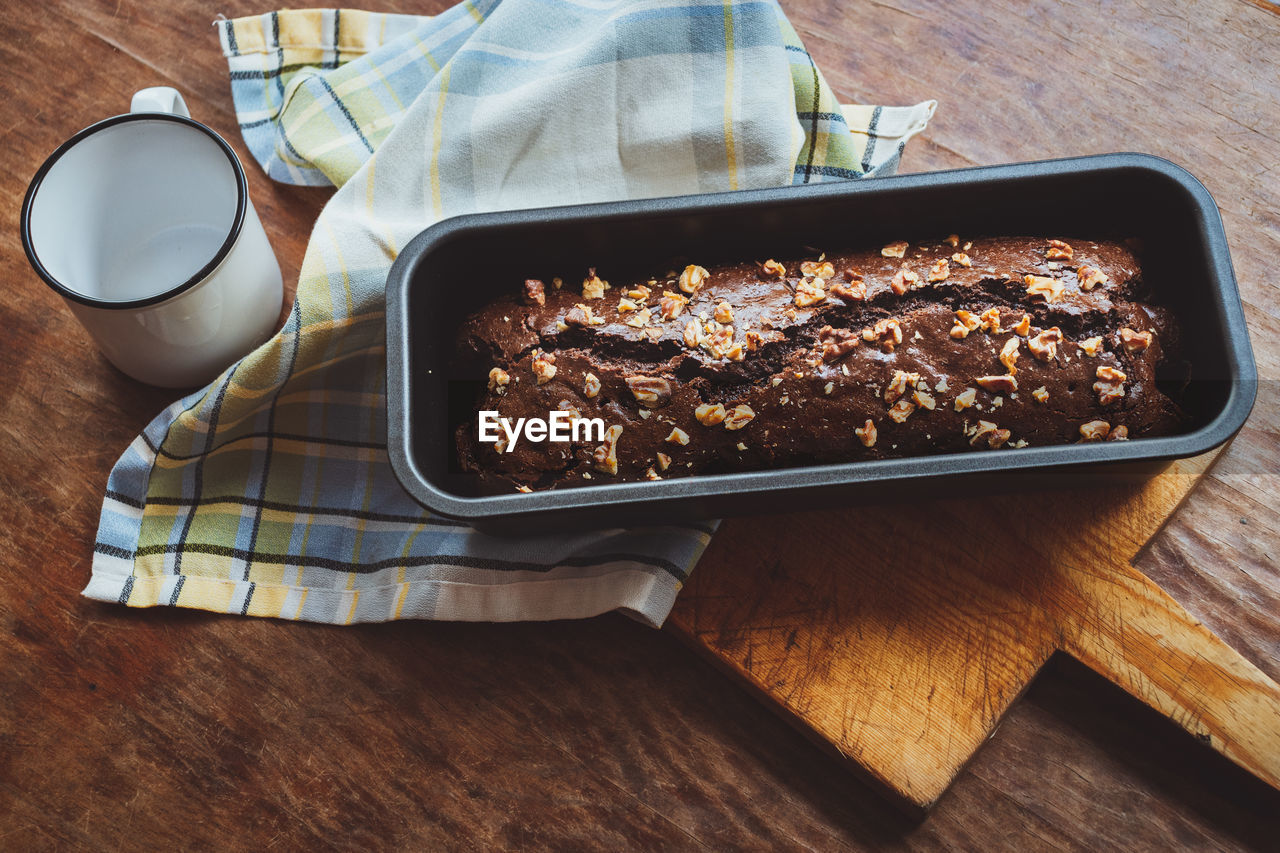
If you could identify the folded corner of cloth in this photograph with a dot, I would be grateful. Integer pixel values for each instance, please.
(269, 493)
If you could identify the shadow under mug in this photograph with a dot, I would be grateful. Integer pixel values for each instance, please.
(143, 224)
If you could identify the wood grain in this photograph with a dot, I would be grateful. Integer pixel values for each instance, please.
(126, 730)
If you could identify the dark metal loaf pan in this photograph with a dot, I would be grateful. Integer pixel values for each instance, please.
(457, 265)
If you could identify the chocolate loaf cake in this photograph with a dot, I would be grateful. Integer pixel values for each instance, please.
(992, 344)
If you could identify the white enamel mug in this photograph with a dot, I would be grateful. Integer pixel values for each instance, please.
(143, 224)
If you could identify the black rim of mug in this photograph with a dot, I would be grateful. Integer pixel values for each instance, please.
(242, 195)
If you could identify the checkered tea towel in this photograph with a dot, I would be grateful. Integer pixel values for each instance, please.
(269, 493)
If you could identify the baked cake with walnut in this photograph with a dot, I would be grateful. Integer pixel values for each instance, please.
(908, 349)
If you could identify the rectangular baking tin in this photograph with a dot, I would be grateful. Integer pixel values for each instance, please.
(457, 265)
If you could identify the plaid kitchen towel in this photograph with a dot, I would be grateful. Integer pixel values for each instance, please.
(268, 492)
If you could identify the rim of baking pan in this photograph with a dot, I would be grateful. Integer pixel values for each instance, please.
(1242, 372)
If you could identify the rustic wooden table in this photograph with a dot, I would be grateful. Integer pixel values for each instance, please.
(131, 729)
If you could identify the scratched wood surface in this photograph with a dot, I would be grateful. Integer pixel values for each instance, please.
(138, 730)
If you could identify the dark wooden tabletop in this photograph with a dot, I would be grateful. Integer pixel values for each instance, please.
(128, 729)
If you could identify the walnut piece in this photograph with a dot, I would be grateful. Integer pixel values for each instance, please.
(962, 259)
(671, 305)
(1135, 341)
(903, 280)
(582, 315)
(991, 321)
(966, 398)
(895, 250)
(901, 410)
(923, 399)
(1023, 326)
(810, 293)
(1118, 433)
(664, 461)
(593, 286)
(1091, 346)
(693, 334)
(637, 291)
(836, 343)
(989, 434)
(1009, 355)
(498, 379)
(887, 332)
(773, 269)
(940, 271)
(738, 417)
(1095, 430)
(1038, 285)
(1090, 277)
(1041, 395)
(653, 391)
(900, 384)
(818, 269)
(1001, 384)
(535, 292)
(718, 340)
(724, 313)
(710, 414)
(692, 278)
(1059, 251)
(952, 240)
(625, 305)
(677, 436)
(544, 366)
(590, 385)
(605, 457)
(855, 290)
(639, 319)
(1044, 346)
(1110, 384)
(866, 433)
(966, 322)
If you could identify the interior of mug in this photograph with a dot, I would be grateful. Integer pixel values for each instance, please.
(134, 208)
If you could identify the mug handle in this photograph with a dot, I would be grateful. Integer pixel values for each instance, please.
(159, 99)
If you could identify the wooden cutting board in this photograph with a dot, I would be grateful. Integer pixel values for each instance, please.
(900, 635)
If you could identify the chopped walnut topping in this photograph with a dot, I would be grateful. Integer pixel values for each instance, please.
(1041, 395)
(962, 259)
(1091, 346)
(775, 381)
(1038, 285)
(924, 400)
(693, 334)
(692, 278)
(1044, 346)
(810, 293)
(1119, 433)
(1135, 341)
(593, 286)
(664, 461)
(625, 305)
(981, 433)
(790, 314)
(1009, 355)
(836, 343)
(557, 282)
(639, 319)
(895, 250)
(724, 313)
(710, 414)
(1110, 384)
(637, 291)
(535, 292)
(590, 385)
(605, 457)
(773, 269)
(653, 391)
(498, 379)
(718, 339)
(677, 436)
(582, 315)
(1006, 384)
(738, 417)
(940, 271)
(899, 385)
(544, 366)
(672, 305)
(854, 291)
(1058, 251)
(754, 340)
(966, 398)
(965, 323)
(941, 385)
(887, 332)
(903, 280)
(991, 321)
(866, 433)
(1091, 277)
(997, 437)
(1023, 327)
(523, 489)
(562, 326)
(818, 269)
(953, 240)
(901, 410)
(828, 388)
(1095, 430)
(651, 474)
